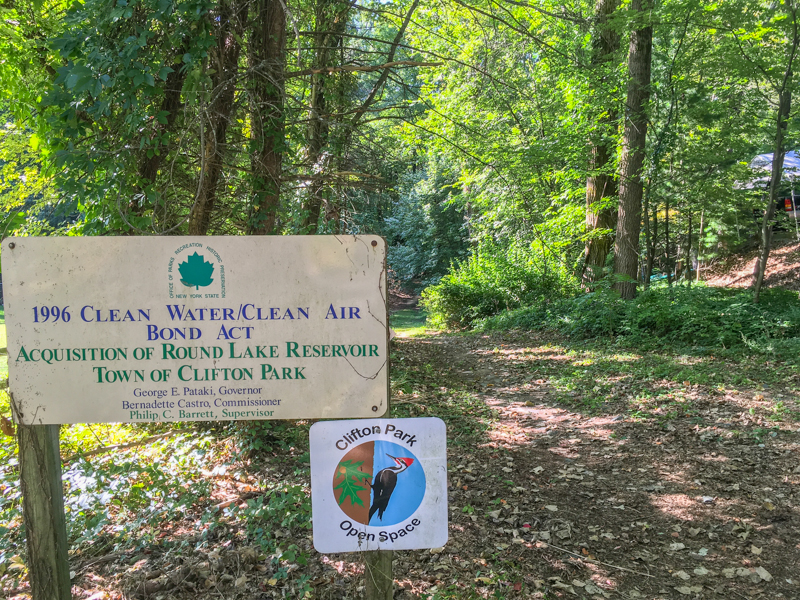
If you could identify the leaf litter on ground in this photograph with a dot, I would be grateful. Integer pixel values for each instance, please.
(580, 472)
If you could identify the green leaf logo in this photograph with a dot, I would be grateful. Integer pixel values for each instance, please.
(196, 272)
(351, 484)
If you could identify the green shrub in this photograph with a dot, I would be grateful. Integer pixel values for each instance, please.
(698, 316)
(495, 279)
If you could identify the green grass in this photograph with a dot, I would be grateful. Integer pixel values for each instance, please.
(408, 322)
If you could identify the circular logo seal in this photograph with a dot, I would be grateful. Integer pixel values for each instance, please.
(379, 483)
(195, 270)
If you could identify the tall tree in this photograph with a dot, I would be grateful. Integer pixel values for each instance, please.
(217, 113)
(601, 184)
(267, 119)
(626, 247)
(783, 90)
(330, 20)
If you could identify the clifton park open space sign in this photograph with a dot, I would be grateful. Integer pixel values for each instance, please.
(379, 484)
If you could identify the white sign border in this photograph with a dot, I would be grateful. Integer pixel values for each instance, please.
(330, 533)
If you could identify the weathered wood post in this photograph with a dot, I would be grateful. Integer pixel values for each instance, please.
(43, 511)
(378, 572)
(378, 564)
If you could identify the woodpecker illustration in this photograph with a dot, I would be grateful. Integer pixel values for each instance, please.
(384, 483)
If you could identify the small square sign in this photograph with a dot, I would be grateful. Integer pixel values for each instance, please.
(379, 484)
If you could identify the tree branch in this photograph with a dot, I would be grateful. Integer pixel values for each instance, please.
(365, 69)
(385, 74)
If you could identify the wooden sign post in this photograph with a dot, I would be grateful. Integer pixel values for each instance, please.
(379, 575)
(43, 511)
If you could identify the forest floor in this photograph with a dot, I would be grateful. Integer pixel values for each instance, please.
(575, 471)
(783, 268)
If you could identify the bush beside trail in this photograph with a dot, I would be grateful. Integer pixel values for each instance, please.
(680, 316)
(495, 279)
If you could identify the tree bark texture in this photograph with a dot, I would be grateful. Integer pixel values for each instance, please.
(331, 19)
(629, 213)
(43, 511)
(267, 51)
(224, 60)
(601, 185)
(779, 152)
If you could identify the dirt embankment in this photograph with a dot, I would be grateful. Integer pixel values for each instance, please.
(783, 268)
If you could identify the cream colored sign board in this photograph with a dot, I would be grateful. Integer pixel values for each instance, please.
(143, 329)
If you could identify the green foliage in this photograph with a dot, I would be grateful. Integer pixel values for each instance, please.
(28, 199)
(281, 508)
(130, 497)
(427, 229)
(106, 106)
(256, 440)
(701, 316)
(495, 279)
(11, 541)
(24, 29)
(113, 502)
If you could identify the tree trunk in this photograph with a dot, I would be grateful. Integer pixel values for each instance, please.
(689, 250)
(700, 245)
(626, 247)
(267, 58)
(601, 185)
(331, 19)
(667, 257)
(650, 240)
(599, 188)
(225, 62)
(779, 152)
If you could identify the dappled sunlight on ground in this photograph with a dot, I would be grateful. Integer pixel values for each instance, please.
(652, 464)
(574, 471)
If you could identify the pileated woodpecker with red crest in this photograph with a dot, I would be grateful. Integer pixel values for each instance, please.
(384, 484)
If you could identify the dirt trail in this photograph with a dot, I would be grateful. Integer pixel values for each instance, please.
(561, 502)
(573, 473)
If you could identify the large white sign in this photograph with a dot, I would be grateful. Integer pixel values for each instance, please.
(141, 329)
(379, 484)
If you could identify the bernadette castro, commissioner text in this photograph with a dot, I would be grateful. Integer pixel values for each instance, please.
(204, 391)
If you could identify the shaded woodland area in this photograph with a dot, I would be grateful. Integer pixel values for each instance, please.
(569, 141)
(589, 192)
